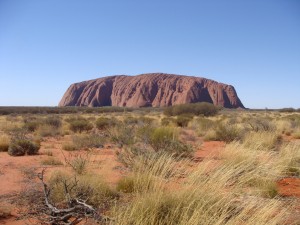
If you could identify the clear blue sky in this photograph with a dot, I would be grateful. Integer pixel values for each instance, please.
(45, 45)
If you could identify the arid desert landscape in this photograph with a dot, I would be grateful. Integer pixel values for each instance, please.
(161, 112)
(186, 164)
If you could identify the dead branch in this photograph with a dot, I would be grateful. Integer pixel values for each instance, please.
(77, 209)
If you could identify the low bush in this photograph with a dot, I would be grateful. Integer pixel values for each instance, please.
(183, 120)
(165, 139)
(130, 120)
(146, 120)
(79, 125)
(167, 121)
(128, 155)
(123, 134)
(5, 212)
(22, 147)
(53, 121)
(287, 110)
(78, 162)
(31, 126)
(46, 130)
(84, 141)
(162, 137)
(143, 133)
(202, 108)
(227, 133)
(103, 123)
(203, 125)
(51, 161)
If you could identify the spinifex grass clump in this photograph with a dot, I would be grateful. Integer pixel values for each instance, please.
(209, 195)
(150, 171)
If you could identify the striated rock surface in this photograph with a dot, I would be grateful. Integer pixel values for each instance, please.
(152, 89)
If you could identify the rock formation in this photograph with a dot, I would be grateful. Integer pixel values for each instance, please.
(152, 89)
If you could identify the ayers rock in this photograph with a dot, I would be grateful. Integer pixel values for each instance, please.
(152, 89)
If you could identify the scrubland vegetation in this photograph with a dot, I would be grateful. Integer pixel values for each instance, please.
(161, 179)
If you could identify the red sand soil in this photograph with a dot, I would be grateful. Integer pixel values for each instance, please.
(288, 187)
(103, 162)
(209, 149)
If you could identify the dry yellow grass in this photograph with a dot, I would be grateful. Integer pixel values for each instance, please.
(239, 187)
(4, 142)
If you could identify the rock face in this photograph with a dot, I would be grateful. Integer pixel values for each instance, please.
(152, 89)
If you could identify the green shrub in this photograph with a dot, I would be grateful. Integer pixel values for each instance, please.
(22, 146)
(123, 134)
(16, 150)
(227, 133)
(144, 133)
(88, 141)
(287, 110)
(162, 137)
(78, 161)
(203, 125)
(53, 121)
(166, 139)
(80, 125)
(167, 121)
(180, 149)
(131, 120)
(31, 126)
(183, 120)
(46, 130)
(103, 123)
(145, 120)
(202, 108)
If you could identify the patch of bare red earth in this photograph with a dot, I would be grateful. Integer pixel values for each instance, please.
(209, 149)
(11, 176)
(289, 187)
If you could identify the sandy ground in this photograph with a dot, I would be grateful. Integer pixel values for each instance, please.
(104, 163)
(12, 169)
